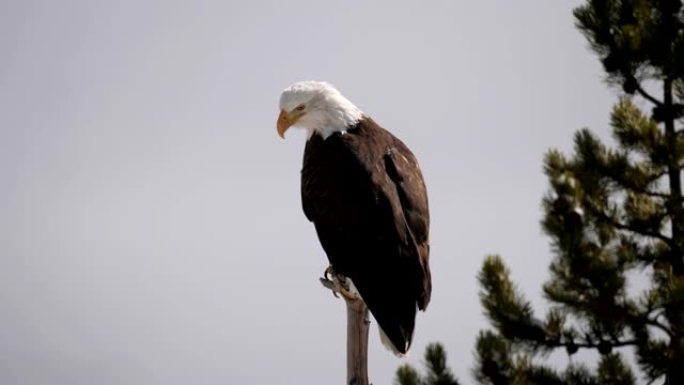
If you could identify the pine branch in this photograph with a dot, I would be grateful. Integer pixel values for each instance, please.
(646, 95)
(621, 226)
(601, 345)
(654, 322)
(652, 194)
(629, 185)
(406, 375)
(436, 370)
(438, 373)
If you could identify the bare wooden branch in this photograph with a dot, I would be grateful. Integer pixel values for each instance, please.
(358, 324)
(357, 341)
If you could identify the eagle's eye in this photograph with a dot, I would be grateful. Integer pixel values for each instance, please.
(300, 108)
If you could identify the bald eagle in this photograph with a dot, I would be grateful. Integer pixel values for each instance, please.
(364, 192)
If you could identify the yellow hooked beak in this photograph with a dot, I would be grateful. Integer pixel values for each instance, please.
(285, 120)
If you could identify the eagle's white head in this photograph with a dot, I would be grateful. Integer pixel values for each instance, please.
(316, 106)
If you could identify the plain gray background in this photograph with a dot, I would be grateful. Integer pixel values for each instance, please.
(150, 221)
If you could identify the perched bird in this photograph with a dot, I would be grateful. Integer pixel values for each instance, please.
(364, 192)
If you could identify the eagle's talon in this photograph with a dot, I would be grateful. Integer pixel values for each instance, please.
(348, 295)
(337, 283)
(327, 272)
(329, 283)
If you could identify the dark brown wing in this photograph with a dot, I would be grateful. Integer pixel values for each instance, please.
(365, 195)
(402, 168)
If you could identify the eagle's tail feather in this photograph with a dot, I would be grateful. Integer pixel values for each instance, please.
(387, 342)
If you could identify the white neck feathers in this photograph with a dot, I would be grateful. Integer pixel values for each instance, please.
(326, 110)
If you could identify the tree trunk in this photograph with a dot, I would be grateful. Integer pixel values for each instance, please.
(357, 341)
(674, 174)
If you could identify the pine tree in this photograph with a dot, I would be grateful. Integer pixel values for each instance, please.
(437, 372)
(612, 213)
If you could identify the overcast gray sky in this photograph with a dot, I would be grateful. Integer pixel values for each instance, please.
(150, 222)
